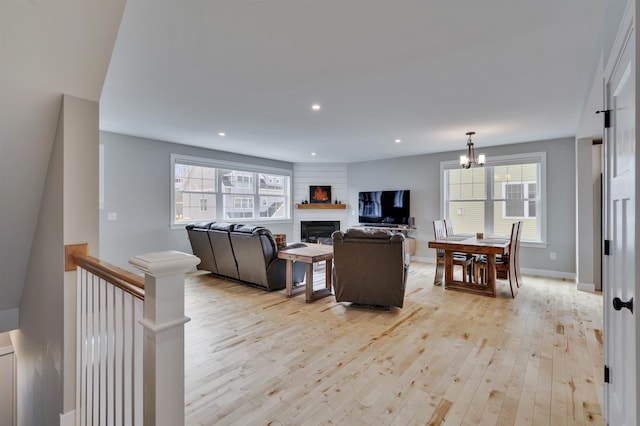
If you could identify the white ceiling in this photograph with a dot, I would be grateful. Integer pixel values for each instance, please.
(425, 72)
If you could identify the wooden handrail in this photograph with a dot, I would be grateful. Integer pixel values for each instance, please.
(125, 280)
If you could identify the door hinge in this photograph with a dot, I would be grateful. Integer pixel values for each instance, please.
(606, 374)
(607, 115)
(607, 247)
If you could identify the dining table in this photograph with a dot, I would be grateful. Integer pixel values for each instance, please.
(470, 243)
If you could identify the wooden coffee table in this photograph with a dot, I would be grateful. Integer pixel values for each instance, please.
(311, 254)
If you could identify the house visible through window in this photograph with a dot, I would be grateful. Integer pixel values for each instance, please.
(489, 199)
(206, 190)
(520, 200)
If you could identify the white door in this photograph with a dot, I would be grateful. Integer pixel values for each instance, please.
(620, 265)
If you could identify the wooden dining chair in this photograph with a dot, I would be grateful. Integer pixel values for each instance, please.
(448, 224)
(466, 262)
(507, 264)
(449, 227)
(517, 255)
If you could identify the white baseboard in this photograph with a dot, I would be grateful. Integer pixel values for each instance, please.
(551, 274)
(68, 419)
(423, 259)
(591, 288)
(525, 271)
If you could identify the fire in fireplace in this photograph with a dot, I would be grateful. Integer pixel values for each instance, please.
(318, 231)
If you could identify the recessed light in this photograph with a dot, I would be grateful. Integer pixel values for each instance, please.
(313, 154)
(315, 107)
(398, 140)
(222, 134)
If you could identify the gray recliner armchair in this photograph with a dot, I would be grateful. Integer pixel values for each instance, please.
(370, 267)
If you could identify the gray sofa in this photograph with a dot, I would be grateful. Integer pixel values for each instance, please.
(370, 267)
(245, 253)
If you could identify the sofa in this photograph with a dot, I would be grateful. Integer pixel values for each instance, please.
(248, 254)
(370, 267)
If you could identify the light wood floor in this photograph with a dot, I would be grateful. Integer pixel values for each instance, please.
(451, 358)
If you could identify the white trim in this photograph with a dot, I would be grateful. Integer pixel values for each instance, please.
(502, 160)
(423, 259)
(550, 274)
(444, 183)
(241, 167)
(534, 244)
(68, 418)
(588, 287)
(539, 158)
(101, 202)
(622, 38)
(156, 328)
(211, 162)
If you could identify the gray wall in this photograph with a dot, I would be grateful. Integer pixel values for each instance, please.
(137, 186)
(421, 175)
(45, 342)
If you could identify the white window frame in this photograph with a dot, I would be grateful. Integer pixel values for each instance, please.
(227, 165)
(244, 199)
(502, 160)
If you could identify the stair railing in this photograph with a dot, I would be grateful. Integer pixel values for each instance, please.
(130, 340)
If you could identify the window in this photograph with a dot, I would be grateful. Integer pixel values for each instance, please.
(208, 190)
(489, 199)
(516, 204)
(194, 189)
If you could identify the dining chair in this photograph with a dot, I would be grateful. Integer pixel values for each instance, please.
(463, 260)
(517, 255)
(448, 224)
(507, 264)
(449, 227)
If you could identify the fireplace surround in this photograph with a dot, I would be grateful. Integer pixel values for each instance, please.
(318, 231)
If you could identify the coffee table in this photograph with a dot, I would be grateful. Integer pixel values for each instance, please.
(310, 254)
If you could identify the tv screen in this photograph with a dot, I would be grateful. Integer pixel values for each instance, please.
(384, 207)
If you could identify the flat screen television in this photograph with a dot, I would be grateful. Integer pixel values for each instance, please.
(384, 207)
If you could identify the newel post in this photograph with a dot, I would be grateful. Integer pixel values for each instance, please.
(163, 347)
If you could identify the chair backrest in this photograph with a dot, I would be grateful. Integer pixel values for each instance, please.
(222, 249)
(254, 248)
(516, 260)
(370, 267)
(201, 246)
(439, 229)
(439, 233)
(449, 227)
(513, 250)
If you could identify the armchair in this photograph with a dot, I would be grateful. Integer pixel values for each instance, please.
(370, 267)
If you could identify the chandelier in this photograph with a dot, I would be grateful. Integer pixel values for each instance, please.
(466, 161)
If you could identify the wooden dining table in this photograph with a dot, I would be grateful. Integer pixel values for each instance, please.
(466, 243)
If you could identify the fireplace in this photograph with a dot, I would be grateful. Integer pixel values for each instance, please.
(318, 231)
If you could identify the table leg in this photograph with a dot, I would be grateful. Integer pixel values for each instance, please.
(491, 274)
(313, 295)
(448, 268)
(309, 283)
(289, 278)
